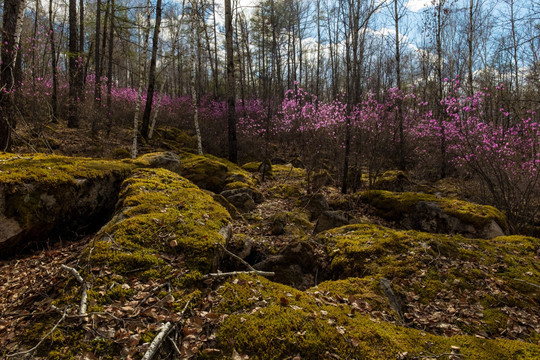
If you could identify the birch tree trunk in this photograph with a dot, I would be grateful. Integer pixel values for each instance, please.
(142, 65)
(193, 65)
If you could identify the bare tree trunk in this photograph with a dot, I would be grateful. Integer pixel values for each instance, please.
(110, 64)
(193, 68)
(97, 65)
(11, 30)
(54, 95)
(142, 65)
(156, 110)
(152, 74)
(231, 89)
(399, 104)
(82, 55)
(73, 116)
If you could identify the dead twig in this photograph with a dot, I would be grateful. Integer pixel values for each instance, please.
(237, 258)
(84, 297)
(43, 338)
(528, 283)
(235, 273)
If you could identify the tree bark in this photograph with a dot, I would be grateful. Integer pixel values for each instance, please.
(73, 116)
(231, 89)
(11, 29)
(54, 95)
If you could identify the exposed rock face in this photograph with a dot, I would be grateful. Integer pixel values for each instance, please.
(316, 204)
(430, 217)
(434, 214)
(166, 160)
(44, 196)
(243, 198)
(329, 220)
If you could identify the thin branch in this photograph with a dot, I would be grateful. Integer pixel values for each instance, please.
(237, 258)
(84, 297)
(528, 283)
(43, 338)
(235, 273)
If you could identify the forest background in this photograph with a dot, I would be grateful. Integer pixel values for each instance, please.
(354, 87)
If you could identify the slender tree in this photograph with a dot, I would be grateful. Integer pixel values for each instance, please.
(11, 30)
(152, 74)
(231, 89)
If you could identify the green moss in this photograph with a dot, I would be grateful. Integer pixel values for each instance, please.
(413, 260)
(394, 205)
(288, 171)
(173, 138)
(252, 166)
(495, 320)
(162, 208)
(286, 191)
(213, 173)
(272, 321)
(52, 170)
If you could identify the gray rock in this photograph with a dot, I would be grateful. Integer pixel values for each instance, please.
(316, 204)
(242, 201)
(329, 220)
(255, 195)
(166, 160)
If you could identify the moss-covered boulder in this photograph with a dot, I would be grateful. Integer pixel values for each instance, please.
(41, 195)
(161, 212)
(430, 213)
(391, 180)
(474, 286)
(272, 321)
(213, 173)
(175, 139)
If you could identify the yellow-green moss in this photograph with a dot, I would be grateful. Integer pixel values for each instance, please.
(49, 170)
(173, 138)
(162, 208)
(394, 205)
(413, 260)
(252, 166)
(286, 191)
(273, 321)
(288, 171)
(213, 173)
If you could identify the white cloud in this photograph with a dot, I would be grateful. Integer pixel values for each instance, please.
(417, 5)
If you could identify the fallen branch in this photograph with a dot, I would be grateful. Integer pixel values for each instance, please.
(235, 273)
(43, 338)
(158, 340)
(528, 283)
(16, 158)
(84, 297)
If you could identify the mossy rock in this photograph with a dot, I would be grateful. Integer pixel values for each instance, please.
(252, 166)
(45, 194)
(159, 211)
(432, 266)
(286, 191)
(213, 173)
(392, 180)
(272, 321)
(407, 205)
(172, 138)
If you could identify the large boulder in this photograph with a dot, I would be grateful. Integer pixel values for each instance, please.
(329, 220)
(430, 213)
(434, 273)
(46, 195)
(213, 173)
(316, 204)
